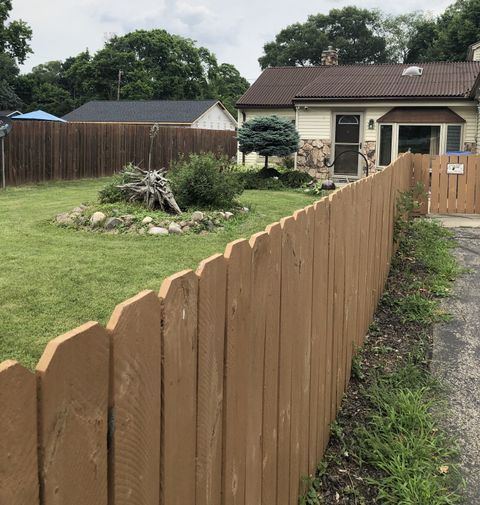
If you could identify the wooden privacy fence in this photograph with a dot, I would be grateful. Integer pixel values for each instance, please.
(39, 151)
(221, 389)
(450, 193)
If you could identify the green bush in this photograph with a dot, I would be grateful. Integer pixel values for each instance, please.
(204, 181)
(256, 180)
(111, 193)
(295, 179)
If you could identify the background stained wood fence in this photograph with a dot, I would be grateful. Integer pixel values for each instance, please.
(219, 390)
(39, 151)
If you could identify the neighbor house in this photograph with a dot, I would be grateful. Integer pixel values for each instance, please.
(380, 110)
(207, 114)
(9, 113)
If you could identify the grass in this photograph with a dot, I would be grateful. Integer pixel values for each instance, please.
(53, 279)
(387, 445)
(402, 439)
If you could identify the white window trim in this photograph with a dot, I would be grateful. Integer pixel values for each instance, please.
(442, 148)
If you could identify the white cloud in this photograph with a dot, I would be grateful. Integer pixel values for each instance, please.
(234, 31)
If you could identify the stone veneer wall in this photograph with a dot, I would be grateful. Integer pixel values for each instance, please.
(369, 149)
(311, 157)
(470, 146)
(312, 153)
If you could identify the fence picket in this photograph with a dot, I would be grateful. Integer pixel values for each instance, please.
(72, 378)
(272, 265)
(135, 391)
(179, 294)
(212, 286)
(18, 430)
(239, 270)
(470, 183)
(260, 244)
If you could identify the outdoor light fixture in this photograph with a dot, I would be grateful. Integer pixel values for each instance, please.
(371, 124)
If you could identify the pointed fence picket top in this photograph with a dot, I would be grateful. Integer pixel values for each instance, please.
(179, 297)
(72, 378)
(135, 393)
(18, 435)
(212, 287)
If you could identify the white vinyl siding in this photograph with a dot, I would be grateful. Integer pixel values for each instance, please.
(373, 113)
(215, 118)
(314, 122)
(470, 125)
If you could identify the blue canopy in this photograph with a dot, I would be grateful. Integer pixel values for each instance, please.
(39, 115)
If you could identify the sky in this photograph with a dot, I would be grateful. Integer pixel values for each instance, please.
(234, 30)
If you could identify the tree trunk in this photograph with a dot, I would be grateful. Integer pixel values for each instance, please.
(266, 162)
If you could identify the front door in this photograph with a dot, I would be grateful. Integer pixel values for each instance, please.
(347, 138)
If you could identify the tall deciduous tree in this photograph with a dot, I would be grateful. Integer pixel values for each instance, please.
(268, 136)
(14, 48)
(357, 33)
(154, 64)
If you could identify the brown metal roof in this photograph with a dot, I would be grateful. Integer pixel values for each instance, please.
(282, 85)
(277, 86)
(421, 115)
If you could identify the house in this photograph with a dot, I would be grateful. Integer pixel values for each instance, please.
(9, 113)
(208, 114)
(380, 110)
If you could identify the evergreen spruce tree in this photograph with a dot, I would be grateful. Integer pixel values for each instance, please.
(268, 136)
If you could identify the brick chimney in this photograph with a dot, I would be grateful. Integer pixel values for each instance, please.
(330, 57)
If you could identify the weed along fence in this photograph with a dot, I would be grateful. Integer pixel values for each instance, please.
(221, 389)
(454, 183)
(39, 151)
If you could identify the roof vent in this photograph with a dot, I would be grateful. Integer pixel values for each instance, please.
(413, 71)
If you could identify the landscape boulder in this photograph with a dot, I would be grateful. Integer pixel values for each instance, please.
(97, 218)
(157, 230)
(112, 222)
(174, 228)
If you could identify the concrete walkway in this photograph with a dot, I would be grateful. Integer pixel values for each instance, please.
(456, 356)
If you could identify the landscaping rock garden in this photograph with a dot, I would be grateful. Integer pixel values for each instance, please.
(112, 220)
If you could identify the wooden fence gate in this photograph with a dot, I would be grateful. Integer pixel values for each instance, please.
(455, 183)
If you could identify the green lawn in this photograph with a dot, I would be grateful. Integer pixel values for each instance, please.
(53, 279)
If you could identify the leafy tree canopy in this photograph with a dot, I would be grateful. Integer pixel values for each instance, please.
(447, 37)
(355, 32)
(14, 48)
(155, 65)
(268, 136)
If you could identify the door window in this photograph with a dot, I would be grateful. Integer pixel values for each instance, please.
(347, 138)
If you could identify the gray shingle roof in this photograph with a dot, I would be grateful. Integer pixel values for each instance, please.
(139, 111)
(283, 85)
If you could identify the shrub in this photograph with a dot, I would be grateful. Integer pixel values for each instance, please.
(295, 179)
(256, 180)
(202, 180)
(111, 193)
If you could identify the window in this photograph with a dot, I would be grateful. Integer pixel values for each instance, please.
(454, 136)
(348, 120)
(422, 139)
(386, 136)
